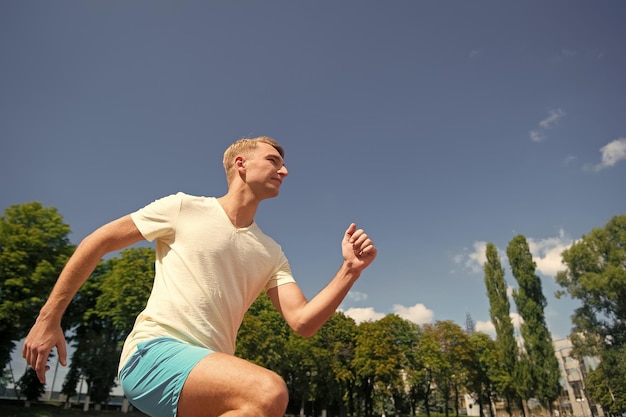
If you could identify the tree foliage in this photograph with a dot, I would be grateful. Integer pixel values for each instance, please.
(530, 301)
(263, 336)
(481, 371)
(30, 386)
(427, 364)
(595, 275)
(34, 247)
(605, 384)
(503, 373)
(455, 353)
(381, 358)
(337, 338)
(107, 305)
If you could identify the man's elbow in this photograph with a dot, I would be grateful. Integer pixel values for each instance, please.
(305, 330)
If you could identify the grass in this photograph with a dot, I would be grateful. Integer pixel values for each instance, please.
(17, 409)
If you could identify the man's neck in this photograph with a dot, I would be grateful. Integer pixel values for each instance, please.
(239, 207)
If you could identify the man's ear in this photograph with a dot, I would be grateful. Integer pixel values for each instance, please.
(240, 163)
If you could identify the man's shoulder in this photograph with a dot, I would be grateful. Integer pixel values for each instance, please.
(193, 199)
(263, 237)
(179, 202)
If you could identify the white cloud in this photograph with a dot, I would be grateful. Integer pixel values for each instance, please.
(474, 260)
(547, 253)
(538, 135)
(474, 53)
(552, 118)
(418, 313)
(516, 319)
(612, 153)
(488, 327)
(356, 296)
(570, 159)
(535, 136)
(363, 314)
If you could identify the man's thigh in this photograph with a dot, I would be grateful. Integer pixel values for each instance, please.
(221, 384)
(153, 377)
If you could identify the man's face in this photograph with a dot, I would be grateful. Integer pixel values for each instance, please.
(265, 171)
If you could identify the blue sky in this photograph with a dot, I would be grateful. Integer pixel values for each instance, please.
(436, 126)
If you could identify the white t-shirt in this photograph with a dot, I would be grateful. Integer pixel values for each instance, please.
(208, 273)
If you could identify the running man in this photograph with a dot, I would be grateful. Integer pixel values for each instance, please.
(212, 261)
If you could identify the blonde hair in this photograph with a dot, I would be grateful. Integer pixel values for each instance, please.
(245, 147)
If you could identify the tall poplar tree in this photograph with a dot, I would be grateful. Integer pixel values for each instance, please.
(500, 313)
(531, 303)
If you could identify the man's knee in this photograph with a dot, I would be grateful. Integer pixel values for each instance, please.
(272, 395)
(221, 383)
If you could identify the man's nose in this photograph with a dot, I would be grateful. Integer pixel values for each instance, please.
(283, 171)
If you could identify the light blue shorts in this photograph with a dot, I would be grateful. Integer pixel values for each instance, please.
(153, 377)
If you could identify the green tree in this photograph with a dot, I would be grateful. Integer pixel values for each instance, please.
(109, 302)
(455, 357)
(381, 360)
(77, 326)
(481, 370)
(427, 362)
(125, 289)
(95, 348)
(5, 379)
(595, 275)
(415, 375)
(403, 334)
(307, 368)
(70, 383)
(605, 384)
(263, 335)
(30, 386)
(531, 303)
(500, 313)
(34, 246)
(338, 339)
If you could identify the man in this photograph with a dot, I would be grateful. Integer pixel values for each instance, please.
(212, 261)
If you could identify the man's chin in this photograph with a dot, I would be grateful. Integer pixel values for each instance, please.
(272, 194)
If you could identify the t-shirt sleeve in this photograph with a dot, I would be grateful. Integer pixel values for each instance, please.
(158, 219)
(282, 275)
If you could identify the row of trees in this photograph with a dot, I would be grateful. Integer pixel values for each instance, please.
(389, 365)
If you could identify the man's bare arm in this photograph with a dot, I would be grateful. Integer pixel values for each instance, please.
(306, 317)
(46, 332)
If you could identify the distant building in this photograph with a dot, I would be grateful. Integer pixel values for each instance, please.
(470, 406)
(574, 401)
